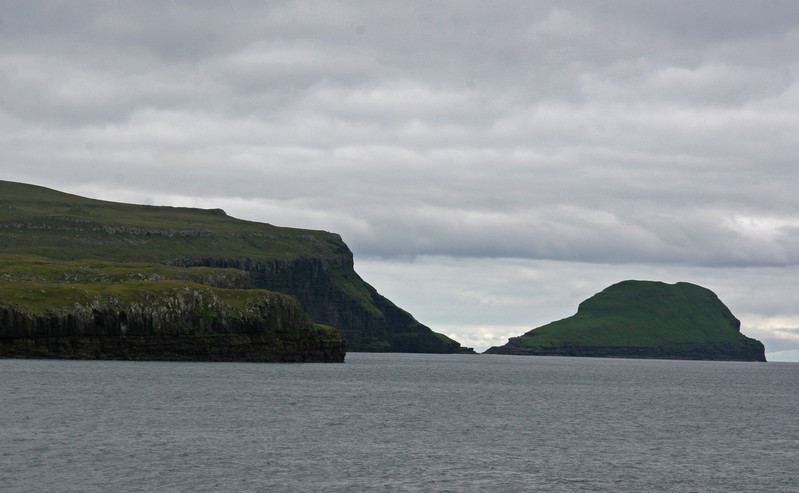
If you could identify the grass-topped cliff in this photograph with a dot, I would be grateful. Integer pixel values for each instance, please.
(101, 310)
(644, 319)
(58, 225)
(314, 266)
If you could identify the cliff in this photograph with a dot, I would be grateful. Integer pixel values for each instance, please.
(643, 319)
(314, 266)
(52, 309)
(335, 295)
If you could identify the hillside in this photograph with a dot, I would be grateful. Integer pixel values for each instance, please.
(314, 266)
(643, 319)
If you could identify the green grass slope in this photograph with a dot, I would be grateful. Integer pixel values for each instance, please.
(128, 232)
(40, 285)
(644, 319)
(314, 266)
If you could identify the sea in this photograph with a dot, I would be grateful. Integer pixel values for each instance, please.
(400, 423)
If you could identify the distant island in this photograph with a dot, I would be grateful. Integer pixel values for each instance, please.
(84, 278)
(643, 319)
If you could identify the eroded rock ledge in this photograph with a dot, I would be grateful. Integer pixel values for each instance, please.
(169, 322)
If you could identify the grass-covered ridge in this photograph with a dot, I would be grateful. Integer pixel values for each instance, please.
(114, 242)
(129, 232)
(645, 318)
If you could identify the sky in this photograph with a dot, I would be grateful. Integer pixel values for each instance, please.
(490, 164)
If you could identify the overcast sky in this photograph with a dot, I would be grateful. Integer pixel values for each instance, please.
(490, 164)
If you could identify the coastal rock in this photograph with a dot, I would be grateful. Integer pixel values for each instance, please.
(643, 319)
(168, 322)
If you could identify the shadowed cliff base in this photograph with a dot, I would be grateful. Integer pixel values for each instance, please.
(252, 348)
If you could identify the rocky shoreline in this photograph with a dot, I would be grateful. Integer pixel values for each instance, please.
(178, 324)
(717, 352)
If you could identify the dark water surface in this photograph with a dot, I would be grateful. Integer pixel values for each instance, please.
(400, 422)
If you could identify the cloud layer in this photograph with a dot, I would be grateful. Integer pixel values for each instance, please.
(604, 133)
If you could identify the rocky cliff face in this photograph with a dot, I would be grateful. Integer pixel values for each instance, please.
(331, 293)
(189, 322)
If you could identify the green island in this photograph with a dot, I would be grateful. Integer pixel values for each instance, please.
(643, 319)
(84, 278)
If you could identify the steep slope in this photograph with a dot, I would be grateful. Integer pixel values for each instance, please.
(314, 266)
(643, 319)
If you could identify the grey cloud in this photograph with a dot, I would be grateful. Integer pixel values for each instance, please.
(604, 132)
(707, 21)
(561, 144)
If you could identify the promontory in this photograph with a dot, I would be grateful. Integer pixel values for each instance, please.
(643, 319)
(95, 279)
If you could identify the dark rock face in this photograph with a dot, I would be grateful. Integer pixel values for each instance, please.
(258, 348)
(715, 352)
(371, 323)
(186, 324)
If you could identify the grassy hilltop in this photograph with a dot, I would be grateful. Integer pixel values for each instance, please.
(205, 247)
(643, 319)
(54, 224)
